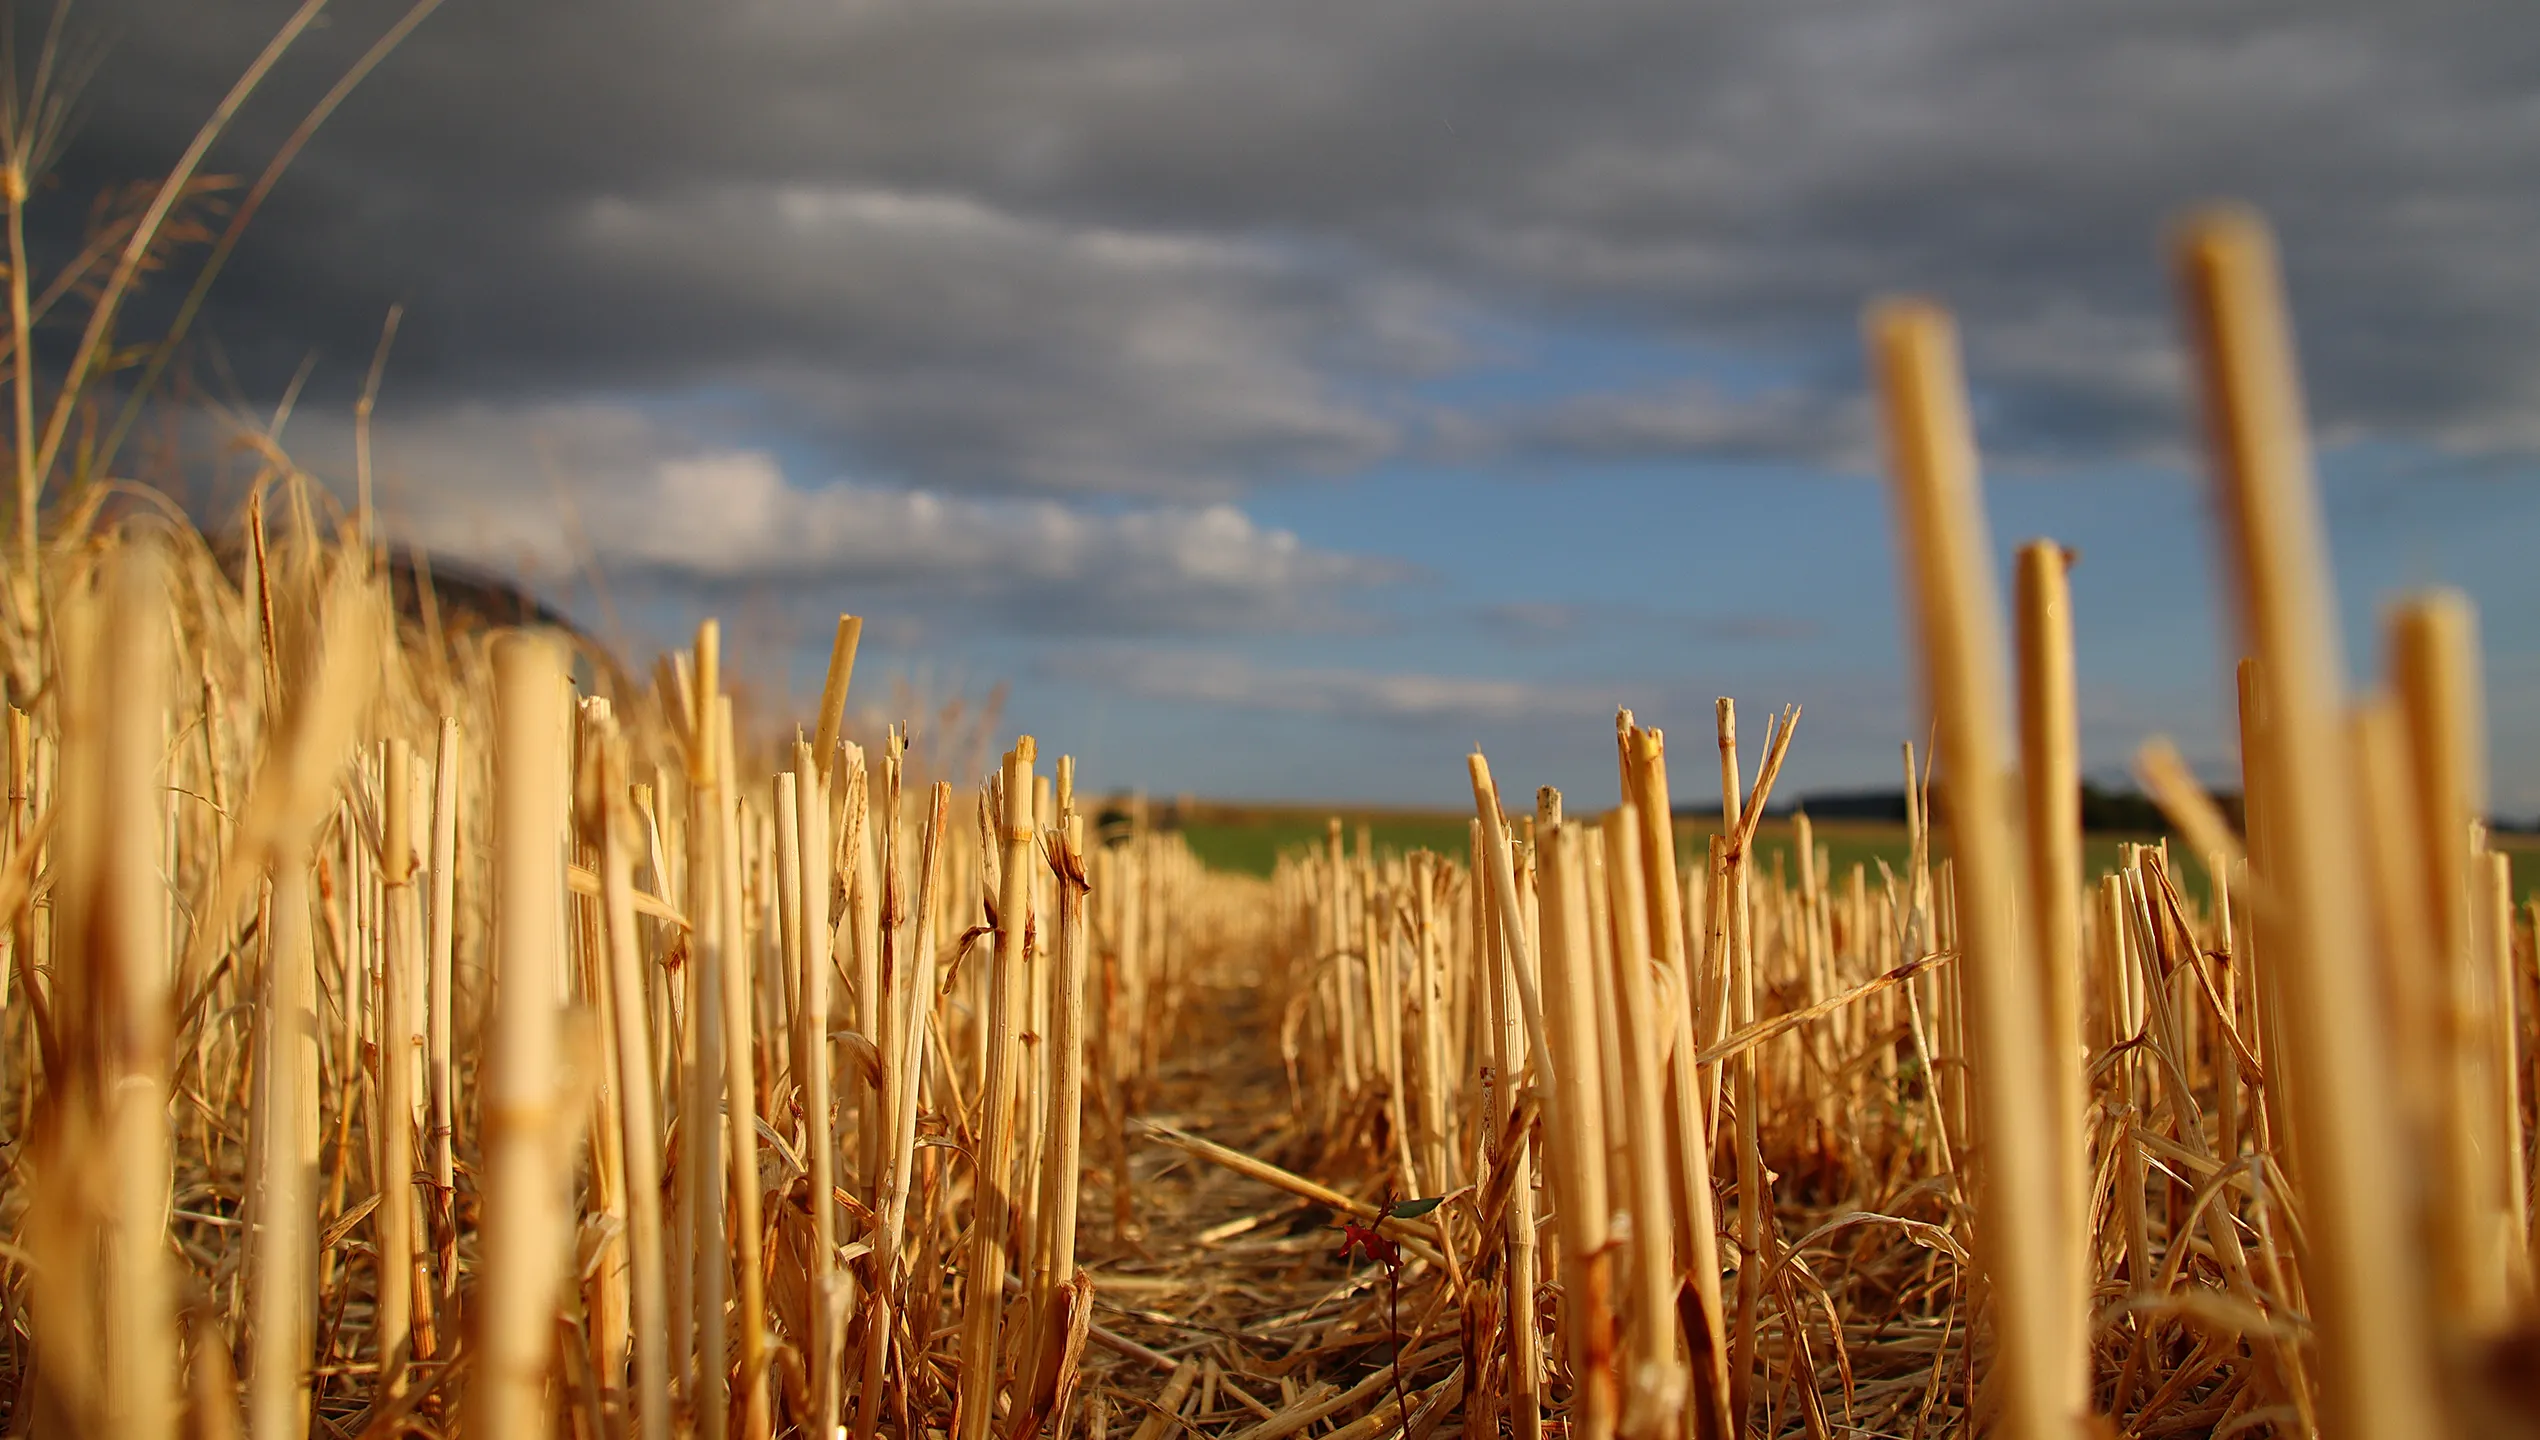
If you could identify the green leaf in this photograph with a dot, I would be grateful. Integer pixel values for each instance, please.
(1414, 1209)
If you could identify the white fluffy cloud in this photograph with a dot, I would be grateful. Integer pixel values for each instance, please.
(549, 490)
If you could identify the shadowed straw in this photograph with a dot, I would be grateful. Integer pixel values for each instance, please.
(102, 1154)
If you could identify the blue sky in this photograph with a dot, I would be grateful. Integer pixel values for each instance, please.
(1284, 397)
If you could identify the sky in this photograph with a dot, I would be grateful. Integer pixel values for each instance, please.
(1283, 397)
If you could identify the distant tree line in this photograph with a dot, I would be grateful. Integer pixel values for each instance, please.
(2103, 808)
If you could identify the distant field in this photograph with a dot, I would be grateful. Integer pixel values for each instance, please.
(1249, 839)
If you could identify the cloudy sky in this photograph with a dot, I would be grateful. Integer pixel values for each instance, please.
(1286, 395)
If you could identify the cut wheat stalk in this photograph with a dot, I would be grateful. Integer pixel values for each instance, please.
(1931, 451)
(811, 851)
(1735, 945)
(915, 996)
(1577, 1148)
(527, 1163)
(2453, 1064)
(1514, 1162)
(704, 1244)
(293, 792)
(619, 834)
(2376, 1377)
(1654, 1393)
(1696, 1224)
(105, 1150)
(398, 1066)
(2493, 894)
(2050, 767)
(1059, 1292)
(733, 972)
(993, 1206)
(440, 1000)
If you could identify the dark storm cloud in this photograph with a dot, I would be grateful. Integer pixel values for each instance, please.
(1167, 247)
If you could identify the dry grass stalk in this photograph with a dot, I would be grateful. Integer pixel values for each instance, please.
(399, 1064)
(915, 997)
(1577, 1152)
(984, 1301)
(2376, 1376)
(1734, 929)
(704, 1242)
(101, 1146)
(2050, 767)
(1696, 1224)
(1059, 1296)
(440, 1003)
(527, 1164)
(2475, 1092)
(1654, 1396)
(293, 791)
(1513, 1164)
(739, 1053)
(1932, 457)
(811, 852)
(619, 833)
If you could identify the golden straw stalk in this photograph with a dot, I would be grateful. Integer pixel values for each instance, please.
(1949, 574)
(2050, 764)
(528, 1230)
(398, 1061)
(2363, 1278)
(985, 1300)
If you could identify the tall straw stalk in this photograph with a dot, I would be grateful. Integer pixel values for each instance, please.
(1931, 451)
(527, 1164)
(993, 1206)
(2376, 1375)
(619, 834)
(2050, 764)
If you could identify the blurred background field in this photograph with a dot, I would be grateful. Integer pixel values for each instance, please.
(1249, 838)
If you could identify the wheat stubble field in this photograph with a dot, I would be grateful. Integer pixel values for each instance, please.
(411, 1026)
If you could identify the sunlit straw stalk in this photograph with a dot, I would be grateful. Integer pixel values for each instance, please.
(2367, 1293)
(527, 1156)
(1931, 455)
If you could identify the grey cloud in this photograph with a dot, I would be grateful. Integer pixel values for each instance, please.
(548, 490)
(1150, 246)
(973, 346)
(1696, 421)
